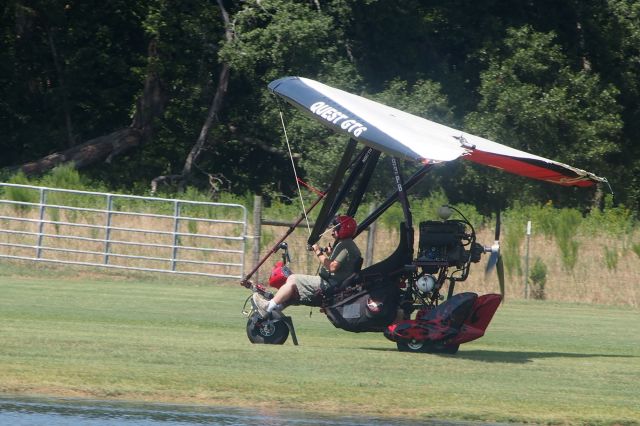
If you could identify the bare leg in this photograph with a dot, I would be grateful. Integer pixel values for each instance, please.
(286, 292)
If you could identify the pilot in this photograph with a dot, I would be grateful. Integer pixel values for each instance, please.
(336, 264)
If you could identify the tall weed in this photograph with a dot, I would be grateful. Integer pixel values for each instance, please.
(511, 236)
(67, 177)
(611, 258)
(614, 221)
(21, 195)
(565, 231)
(543, 218)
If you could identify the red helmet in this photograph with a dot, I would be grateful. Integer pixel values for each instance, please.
(344, 226)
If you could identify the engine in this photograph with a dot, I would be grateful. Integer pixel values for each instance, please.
(446, 244)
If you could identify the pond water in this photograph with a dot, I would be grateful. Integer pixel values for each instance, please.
(58, 412)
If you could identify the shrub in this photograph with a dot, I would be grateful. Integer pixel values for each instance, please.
(21, 195)
(611, 258)
(64, 176)
(538, 279)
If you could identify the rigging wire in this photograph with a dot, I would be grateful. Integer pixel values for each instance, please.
(295, 172)
(311, 188)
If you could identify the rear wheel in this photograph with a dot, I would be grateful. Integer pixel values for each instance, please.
(412, 346)
(270, 332)
(427, 347)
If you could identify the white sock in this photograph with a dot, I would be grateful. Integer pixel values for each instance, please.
(273, 305)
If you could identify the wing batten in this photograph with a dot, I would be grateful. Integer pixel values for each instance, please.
(400, 134)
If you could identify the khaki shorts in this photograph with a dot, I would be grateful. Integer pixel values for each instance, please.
(310, 287)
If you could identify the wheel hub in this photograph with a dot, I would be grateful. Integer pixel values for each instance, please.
(414, 345)
(267, 328)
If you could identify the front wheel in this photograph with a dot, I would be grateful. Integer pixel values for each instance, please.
(269, 332)
(427, 347)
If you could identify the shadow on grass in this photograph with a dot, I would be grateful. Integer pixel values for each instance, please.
(525, 357)
(513, 357)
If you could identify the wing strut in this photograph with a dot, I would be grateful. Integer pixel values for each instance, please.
(364, 182)
(323, 217)
(404, 201)
(361, 160)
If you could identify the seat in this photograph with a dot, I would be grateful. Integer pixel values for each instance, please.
(390, 267)
(393, 265)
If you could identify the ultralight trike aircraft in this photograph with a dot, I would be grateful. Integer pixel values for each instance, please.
(399, 296)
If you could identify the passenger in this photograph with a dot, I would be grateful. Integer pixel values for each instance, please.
(336, 264)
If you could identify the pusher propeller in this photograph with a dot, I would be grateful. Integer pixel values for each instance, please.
(495, 258)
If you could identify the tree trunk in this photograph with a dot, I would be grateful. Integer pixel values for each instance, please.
(90, 152)
(63, 90)
(212, 116)
(104, 148)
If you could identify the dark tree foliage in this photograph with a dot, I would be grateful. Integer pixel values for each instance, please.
(67, 73)
(557, 78)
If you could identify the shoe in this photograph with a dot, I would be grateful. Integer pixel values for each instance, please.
(260, 304)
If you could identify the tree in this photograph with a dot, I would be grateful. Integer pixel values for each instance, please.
(66, 73)
(275, 39)
(174, 89)
(532, 99)
(212, 115)
(612, 39)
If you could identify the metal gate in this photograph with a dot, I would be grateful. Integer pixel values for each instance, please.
(122, 231)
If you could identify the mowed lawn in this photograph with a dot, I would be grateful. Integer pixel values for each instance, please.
(179, 340)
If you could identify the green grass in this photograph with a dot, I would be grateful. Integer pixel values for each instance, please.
(183, 340)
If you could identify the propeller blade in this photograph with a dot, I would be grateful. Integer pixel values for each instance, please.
(500, 271)
(497, 238)
(491, 263)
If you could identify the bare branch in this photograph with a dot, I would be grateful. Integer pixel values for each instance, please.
(212, 114)
(166, 179)
(268, 148)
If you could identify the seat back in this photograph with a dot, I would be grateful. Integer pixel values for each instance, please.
(394, 264)
(358, 265)
(389, 267)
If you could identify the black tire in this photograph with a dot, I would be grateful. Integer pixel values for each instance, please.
(448, 349)
(430, 348)
(268, 332)
(413, 346)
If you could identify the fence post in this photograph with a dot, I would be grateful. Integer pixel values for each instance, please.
(257, 231)
(371, 238)
(107, 232)
(176, 237)
(43, 201)
(526, 262)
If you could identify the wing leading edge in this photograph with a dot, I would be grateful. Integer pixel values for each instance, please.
(404, 135)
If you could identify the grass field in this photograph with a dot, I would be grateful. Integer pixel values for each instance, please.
(73, 333)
